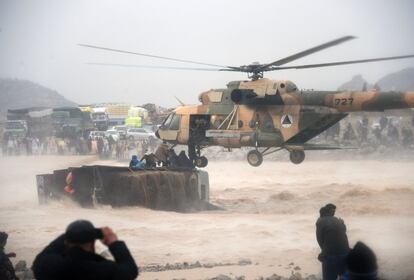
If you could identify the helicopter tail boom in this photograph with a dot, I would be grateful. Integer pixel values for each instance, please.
(370, 101)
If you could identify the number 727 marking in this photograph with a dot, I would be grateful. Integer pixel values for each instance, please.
(343, 101)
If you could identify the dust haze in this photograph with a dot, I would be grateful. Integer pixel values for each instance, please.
(268, 222)
(269, 218)
(39, 42)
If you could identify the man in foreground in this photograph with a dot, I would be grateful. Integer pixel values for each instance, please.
(333, 241)
(72, 256)
(6, 267)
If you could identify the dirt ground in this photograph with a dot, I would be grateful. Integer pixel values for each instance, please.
(268, 224)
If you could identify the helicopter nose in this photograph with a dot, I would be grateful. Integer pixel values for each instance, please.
(157, 134)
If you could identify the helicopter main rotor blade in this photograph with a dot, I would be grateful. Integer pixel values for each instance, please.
(340, 63)
(152, 66)
(155, 56)
(307, 52)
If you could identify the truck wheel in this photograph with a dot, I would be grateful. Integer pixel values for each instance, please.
(297, 156)
(254, 158)
(201, 161)
(131, 138)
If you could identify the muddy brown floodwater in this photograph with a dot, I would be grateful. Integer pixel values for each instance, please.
(270, 216)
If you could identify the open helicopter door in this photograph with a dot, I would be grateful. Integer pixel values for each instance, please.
(199, 124)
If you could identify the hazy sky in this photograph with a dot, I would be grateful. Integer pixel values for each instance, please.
(38, 42)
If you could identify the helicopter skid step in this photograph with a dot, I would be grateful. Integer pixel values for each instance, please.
(220, 133)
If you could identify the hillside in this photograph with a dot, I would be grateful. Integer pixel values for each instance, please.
(399, 81)
(15, 94)
(356, 83)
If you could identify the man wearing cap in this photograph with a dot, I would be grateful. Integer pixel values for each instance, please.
(72, 256)
(333, 241)
(6, 267)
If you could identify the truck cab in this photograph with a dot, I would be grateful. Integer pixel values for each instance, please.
(16, 128)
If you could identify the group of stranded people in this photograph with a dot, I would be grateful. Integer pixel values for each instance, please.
(72, 255)
(162, 157)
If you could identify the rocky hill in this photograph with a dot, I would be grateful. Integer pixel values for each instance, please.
(15, 94)
(398, 81)
(356, 83)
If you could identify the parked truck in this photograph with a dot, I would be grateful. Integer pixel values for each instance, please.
(100, 118)
(33, 122)
(71, 122)
(15, 129)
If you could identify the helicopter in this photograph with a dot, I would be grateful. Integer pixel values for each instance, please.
(265, 115)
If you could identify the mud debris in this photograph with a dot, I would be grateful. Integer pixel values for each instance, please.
(294, 276)
(244, 262)
(186, 265)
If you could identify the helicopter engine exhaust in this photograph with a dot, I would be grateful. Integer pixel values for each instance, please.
(249, 97)
(243, 96)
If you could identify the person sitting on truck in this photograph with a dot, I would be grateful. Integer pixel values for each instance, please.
(150, 160)
(184, 161)
(135, 163)
(172, 158)
(162, 154)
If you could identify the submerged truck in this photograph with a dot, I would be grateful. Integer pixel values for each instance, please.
(159, 188)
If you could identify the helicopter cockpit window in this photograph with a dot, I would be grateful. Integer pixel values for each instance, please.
(167, 121)
(175, 122)
(291, 87)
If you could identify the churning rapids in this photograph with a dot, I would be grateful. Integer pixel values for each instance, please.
(269, 219)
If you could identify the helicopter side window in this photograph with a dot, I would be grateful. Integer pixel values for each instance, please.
(175, 122)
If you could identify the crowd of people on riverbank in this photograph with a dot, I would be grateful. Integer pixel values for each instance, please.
(385, 131)
(105, 147)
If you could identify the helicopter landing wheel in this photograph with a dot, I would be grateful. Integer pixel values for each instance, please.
(201, 161)
(297, 157)
(254, 158)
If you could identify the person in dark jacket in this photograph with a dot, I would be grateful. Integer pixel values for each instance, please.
(150, 160)
(333, 241)
(184, 161)
(6, 267)
(172, 158)
(361, 263)
(72, 256)
(162, 154)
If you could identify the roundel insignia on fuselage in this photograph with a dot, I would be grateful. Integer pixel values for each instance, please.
(286, 121)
